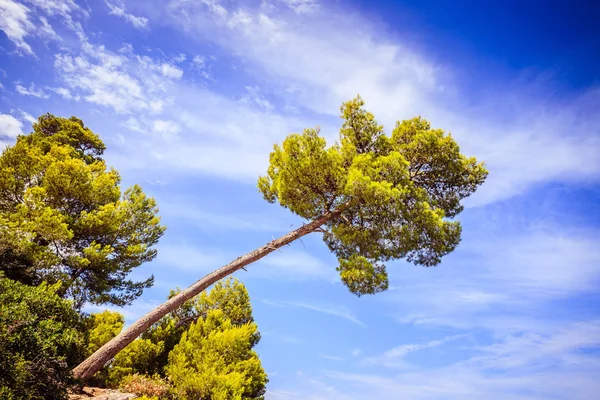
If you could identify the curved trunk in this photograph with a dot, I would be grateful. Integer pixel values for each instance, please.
(105, 353)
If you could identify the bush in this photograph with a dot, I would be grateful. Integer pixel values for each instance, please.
(40, 341)
(139, 356)
(153, 387)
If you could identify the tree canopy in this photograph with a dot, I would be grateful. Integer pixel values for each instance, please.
(41, 339)
(389, 197)
(63, 217)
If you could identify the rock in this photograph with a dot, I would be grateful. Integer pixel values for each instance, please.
(89, 393)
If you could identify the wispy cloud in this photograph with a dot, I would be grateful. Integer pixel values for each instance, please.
(14, 21)
(394, 358)
(121, 81)
(302, 6)
(64, 93)
(332, 358)
(515, 271)
(25, 116)
(543, 140)
(31, 91)
(529, 366)
(336, 311)
(118, 8)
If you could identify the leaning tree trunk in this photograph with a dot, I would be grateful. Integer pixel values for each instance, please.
(105, 353)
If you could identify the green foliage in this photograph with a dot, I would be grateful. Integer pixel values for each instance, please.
(40, 341)
(149, 355)
(229, 296)
(64, 219)
(139, 357)
(101, 327)
(391, 197)
(214, 360)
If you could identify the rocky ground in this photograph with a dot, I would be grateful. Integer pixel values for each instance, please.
(89, 393)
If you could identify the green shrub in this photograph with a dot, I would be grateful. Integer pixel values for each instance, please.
(40, 341)
(138, 357)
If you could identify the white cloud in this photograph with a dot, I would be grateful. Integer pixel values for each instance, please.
(15, 23)
(46, 30)
(496, 280)
(64, 9)
(10, 127)
(31, 91)
(64, 93)
(254, 98)
(180, 58)
(320, 60)
(394, 358)
(560, 364)
(545, 262)
(566, 345)
(215, 7)
(221, 129)
(302, 6)
(123, 82)
(199, 61)
(134, 125)
(171, 71)
(337, 311)
(118, 8)
(529, 365)
(27, 117)
(163, 127)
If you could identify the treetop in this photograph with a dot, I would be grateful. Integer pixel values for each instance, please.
(391, 197)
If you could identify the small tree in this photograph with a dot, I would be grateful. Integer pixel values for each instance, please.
(64, 219)
(374, 198)
(40, 341)
(214, 361)
(149, 354)
(101, 327)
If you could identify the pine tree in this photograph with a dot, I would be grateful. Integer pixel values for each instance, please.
(149, 355)
(63, 217)
(214, 361)
(375, 198)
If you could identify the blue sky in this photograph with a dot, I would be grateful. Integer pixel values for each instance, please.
(190, 96)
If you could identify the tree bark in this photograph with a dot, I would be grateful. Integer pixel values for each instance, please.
(105, 353)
